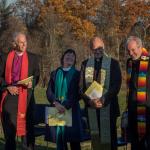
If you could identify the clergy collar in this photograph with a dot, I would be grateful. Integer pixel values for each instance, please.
(98, 59)
(140, 58)
(18, 53)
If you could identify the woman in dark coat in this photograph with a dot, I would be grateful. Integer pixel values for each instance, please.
(62, 92)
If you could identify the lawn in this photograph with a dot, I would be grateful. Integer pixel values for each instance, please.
(40, 143)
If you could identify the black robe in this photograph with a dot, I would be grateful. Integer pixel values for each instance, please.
(111, 95)
(74, 133)
(10, 105)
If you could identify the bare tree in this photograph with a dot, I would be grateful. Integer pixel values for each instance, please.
(5, 11)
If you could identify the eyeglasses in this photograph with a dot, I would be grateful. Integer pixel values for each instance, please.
(98, 49)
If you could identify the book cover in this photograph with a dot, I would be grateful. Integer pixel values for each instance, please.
(95, 90)
(54, 118)
(25, 81)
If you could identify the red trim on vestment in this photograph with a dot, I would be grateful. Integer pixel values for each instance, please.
(22, 97)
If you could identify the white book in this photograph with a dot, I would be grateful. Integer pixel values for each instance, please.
(95, 90)
(54, 118)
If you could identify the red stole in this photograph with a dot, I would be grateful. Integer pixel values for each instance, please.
(22, 97)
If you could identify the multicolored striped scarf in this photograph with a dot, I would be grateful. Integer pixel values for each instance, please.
(141, 91)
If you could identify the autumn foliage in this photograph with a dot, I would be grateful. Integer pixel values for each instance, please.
(56, 25)
(78, 14)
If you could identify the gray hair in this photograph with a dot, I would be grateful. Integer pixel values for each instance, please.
(15, 34)
(136, 39)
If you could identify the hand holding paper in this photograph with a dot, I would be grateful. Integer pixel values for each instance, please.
(26, 82)
(95, 103)
(59, 107)
(54, 118)
(94, 92)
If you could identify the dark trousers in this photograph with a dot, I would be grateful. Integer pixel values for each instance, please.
(143, 144)
(75, 145)
(62, 143)
(136, 144)
(9, 128)
(113, 136)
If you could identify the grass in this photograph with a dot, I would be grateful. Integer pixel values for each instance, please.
(40, 96)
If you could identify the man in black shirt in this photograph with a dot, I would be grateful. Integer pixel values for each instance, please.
(102, 119)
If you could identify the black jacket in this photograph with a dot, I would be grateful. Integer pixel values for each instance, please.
(33, 70)
(114, 86)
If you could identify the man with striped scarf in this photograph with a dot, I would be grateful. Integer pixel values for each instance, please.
(138, 94)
